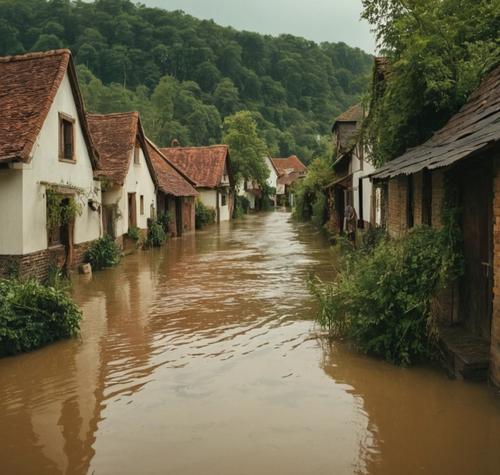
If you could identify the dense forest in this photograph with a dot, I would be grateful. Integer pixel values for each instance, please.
(186, 75)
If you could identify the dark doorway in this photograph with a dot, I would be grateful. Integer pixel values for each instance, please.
(132, 211)
(340, 206)
(476, 197)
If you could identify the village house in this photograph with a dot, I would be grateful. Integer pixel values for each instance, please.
(464, 155)
(175, 195)
(272, 180)
(351, 186)
(252, 191)
(289, 171)
(126, 172)
(50, 200)
(209, 168)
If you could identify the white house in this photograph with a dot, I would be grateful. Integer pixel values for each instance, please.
(126, 172)
(47, 163)
(289, 171)
(210, 169)
(352, 166)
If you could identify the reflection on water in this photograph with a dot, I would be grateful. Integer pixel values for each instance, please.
(201, 358)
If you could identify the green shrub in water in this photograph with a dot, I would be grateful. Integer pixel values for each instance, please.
(134, 233)
(33, 315)
(102, 253)
(382, 296)
(203, 215)
(165, 219)
(156, 235)
(241, 206)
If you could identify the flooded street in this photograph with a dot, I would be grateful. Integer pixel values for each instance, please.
(201, 358)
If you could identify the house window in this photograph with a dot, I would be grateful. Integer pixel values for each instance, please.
(427, 198)
(410, 212)
(142, 205)
(66, 137)
(137, 159)
(223, 199)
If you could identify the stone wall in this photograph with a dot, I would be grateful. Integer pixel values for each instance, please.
(495, 325)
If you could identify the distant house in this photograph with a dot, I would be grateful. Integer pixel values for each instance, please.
(351, 186)
(252, 191)
(272, 180)
(464, 155)
(289, 171)
(126, 172)
(176, 194)
(209, 168)
(50, 200)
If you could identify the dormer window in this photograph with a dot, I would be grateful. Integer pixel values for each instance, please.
(137, 157)
(66, 137)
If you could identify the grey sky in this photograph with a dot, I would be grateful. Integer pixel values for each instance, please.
(318, 20)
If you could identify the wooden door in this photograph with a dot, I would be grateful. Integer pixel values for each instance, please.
(178, 215)
(476, 296)
(132, 211)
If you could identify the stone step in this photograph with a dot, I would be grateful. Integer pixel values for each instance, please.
(466, 356)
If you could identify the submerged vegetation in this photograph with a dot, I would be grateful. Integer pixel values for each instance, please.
(102, 253)
(382, 296)
(203, 215)
(33, 315)
(156, 234)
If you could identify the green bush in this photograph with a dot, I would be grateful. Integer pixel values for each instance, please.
(203, 215)
(156, 235)
(382, 295)
(33, 315)
(319, 210)
(134, 233)
(102, 253)
(241, 206)
(165, 219)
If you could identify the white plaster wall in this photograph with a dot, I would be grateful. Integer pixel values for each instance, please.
(45, 166)
(11, 212)
(368, 168)
(138, 181)
(208, 198)
(273, 177)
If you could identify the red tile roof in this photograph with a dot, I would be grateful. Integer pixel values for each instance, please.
(285, 165)
(203, 165)
(170, 180)
(290, 178)
(28, 86)
(115, 136)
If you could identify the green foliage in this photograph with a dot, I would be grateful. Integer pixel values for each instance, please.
(165, 219)
(382, 295)
(241, 206)
(134, 233)
(33, 315)
(156, 235)
(186, 75)
(310, 198)
(61, 209)
(438, 51)
(102, 253)
(203, 215)
(57, 279)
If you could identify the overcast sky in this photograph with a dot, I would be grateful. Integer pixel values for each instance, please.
(318, 20)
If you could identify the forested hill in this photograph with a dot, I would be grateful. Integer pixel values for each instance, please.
(185, 75)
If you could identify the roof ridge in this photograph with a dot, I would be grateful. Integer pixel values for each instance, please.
(194, 147)
(113, 114)
(35, 55)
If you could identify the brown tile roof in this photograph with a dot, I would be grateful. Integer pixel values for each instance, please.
(115, 136)
(203, 165)
(28, 86)
(283, 165)
(170, 180)
(290, 178)
(475, 128)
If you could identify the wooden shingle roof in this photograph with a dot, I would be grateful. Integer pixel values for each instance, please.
(355, 113)
(203, 165)
(28, 86)
(170, 179)
(115, 136)
(472, 130)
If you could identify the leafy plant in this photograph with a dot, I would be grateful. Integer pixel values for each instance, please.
(134, 233)
(102, 253)
(241, 206)
(203, 215)
(61, 209)
(165, 219)
(33, 315)
(56, 278)
(156, 235)
(381, 297)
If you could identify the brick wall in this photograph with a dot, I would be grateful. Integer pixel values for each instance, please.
(495, 325)
(396, 209)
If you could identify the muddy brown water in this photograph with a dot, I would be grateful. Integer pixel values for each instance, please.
(201, 358)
